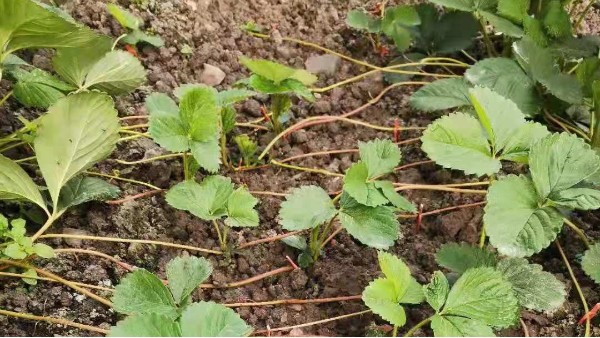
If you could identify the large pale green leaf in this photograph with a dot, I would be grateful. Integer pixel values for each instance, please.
(388, 190)
(277, 72)
(37, 88)
(559, 162)
(437, 290)
(517, 147)
(591, 262)
(73, 64)
(15, 184)
(461, 257)
(380, 297)
(356, 185)
(535, 289)
(141, 292)
(207, 200)
(76, 133)
(200, 113)
(185, 275)
(407, 289)
(82, 189)
(117, 73)
(441, 94)
(240, 209)
(515, 222)
(506, 78)
(207, 154)
(146, 325)
(454, 326)
(577, 198)
(380, 156)
(376, 227)
(482, 294)
(457, 141)
(305, 208)
(208, 319)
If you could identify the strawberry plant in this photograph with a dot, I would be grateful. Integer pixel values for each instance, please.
(156, 310)
(366, 206)
(248, 149)
(213, 199)
(132, 24)
(279, 82)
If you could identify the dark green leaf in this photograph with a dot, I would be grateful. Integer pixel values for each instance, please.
(185, 275)
(208, 319)
(591, 262)
(82, 189)
(461, 257)
(376, 227)
(146, 325)
(441, 94)
(305, 208)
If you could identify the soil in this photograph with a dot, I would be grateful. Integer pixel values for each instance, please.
(211, 29)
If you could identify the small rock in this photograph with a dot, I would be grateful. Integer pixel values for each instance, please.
(322, 107)
(323, 64)
(73, 242)
(297, 332)
(212, 75)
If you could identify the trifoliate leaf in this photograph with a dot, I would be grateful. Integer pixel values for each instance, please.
(146, 325)
(518, 145)
(396, 23)
(380, 297)
(288, 86)
(534, 288)
(514, 10)
(577, 198)
(78, 131)
(15, 184)
(208, 319)
(356, 185)
(305, 208)
(462, 257)
(277, 72)
(73, 64)
(437, 290)
(505, 77)
(457, 141)
(502, 25)
(240, 209)
(515, 222)
(141, 292)
(453, 326)
(37, 88)
(207, 200)
(397, 200)
(43, 250)
(82, 189)
(591, 262)
(541, 66)
(376, 227)
(557, 20)
(185, 274)
(124, 17)
(559, 162)
(117, 73)
(380, 156)
(482, 294)
(360, 20)
(441, 94)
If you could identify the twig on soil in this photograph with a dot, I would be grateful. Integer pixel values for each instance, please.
(576, 284)
(579, 232)
(268, 239)
(525, 328)
(152, 159)
(123, 265)
(122, 179)
(140, 241)
(297, 301)
(20, 275)
(52, 320)
(268, 193)
(134, 197)
(323, 321)
(439, 188)
(310, 170)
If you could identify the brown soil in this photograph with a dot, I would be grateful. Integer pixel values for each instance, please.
(211, 28)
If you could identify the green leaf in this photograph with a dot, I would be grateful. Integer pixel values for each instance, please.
(462, 257)
(124, 17)
(380, 297)
(142, 293)
(502, 25)
(518, 145)
(248, 149)
(228, 117)
(30, 277)
(208, 319)
(295, 241)
(200, 113)
(138, 36)
(182, 90)
(559, 162)
(37, 88)
(466, 5)
(356, 185)
(15, 184)
(161, 104)
(76, 133)
(43, 250)
(457, 141)
(289, 86)
(305, 208)
(587, 72)
(277, 72)
(441, 94)
(453, 32)
(453, 326)
(360, 20)
(557, 20)
(117, 73)
(437, 290)
(207, 154)
(376, 227)
(207, 200)
(388, 190)
(534, 30)
(380, 156)
(240, 209)
(540, 64)
(396, 23)
(535, 289)
(399, 274)
(515, 10)
(505, 77)
(15, 251)
(515, 222)
(146, 325)
(483, 295)
(82, 189)
(231, 96)
(577, 198)
(185, 274)
(73, 64)
(591, 262)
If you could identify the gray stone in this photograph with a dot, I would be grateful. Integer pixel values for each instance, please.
(323, 64)
(212, 75)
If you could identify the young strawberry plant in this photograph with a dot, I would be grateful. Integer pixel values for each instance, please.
(156, 310)
(279, 82)
(366, 207)
(248, 149)
(214, 199)
(132, 24)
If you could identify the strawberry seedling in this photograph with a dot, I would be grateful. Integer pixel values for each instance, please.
(133, 24)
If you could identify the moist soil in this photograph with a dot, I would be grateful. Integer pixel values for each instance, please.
(211, 29)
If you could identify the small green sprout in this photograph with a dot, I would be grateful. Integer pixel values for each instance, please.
(132, 23)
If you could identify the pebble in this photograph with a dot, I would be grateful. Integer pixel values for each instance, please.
(211, 75)
(323, 64)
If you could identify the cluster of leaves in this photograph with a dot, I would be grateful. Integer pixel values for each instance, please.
(279, 82)
(84, 59)
(421, 26)
(366, 208)
(132, 23)
(156, 310)
(486, 293)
